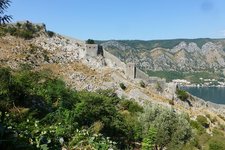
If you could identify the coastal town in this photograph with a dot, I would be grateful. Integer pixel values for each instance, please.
(202, 83)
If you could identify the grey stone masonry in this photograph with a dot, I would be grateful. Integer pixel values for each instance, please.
(91, 50)
(131, 70)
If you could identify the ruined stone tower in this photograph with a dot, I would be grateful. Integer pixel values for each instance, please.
(91, 50)
(131, 70)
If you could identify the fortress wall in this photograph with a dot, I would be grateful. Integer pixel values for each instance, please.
(162, 83)
(141, 75)
(131, 70)
(152, 80)
(116, 61)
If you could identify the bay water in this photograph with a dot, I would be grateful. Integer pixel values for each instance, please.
(212, 94)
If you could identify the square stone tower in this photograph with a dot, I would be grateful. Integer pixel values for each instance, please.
(131, 70)
(91, 50)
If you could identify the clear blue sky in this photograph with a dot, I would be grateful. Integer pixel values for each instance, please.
(126, 19)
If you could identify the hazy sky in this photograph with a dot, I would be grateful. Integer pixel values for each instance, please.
(126, 19)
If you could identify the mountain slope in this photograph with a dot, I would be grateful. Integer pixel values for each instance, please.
(188, 55)
(65, 58)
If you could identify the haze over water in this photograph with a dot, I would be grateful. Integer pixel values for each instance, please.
(212, 94)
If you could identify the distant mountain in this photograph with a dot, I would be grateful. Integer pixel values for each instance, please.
(186, 55)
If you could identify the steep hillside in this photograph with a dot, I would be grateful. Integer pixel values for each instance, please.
(97, 93)
(181, 55)
(26, 45)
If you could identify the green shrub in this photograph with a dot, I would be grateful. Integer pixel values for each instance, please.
(195, 143)
(142, 84)
(196, 125)
(203, 121)
(213, 120)
(26, 30)
(122, 86)
(131, 106)
(149, 141)
(173, 130)
(44, 110)
(216, 145)
(171, 102)
(50, 33)
(182, 95)
(27, 35)
(90, 41)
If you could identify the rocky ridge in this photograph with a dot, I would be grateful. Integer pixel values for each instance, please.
(182, 56)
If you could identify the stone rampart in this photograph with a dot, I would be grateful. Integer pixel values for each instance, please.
(141, 75)
(113, 60)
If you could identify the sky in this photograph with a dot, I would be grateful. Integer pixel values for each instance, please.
(125, 19)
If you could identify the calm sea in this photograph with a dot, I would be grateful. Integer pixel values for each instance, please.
(213, 94)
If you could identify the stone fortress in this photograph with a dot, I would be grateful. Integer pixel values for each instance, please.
(130, 69)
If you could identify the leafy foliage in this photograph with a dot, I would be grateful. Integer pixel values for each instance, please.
(173, 130)
(4, 4)
(38, 111)
(203, 121)
(142, 84)
(182, 95)
(122, 86)
(26, 30)
(149, 140)
(41, 110)
(50, 33)
(90, 41)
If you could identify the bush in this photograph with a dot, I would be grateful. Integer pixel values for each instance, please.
(171, 102)
(216, 145)
(122, 86)
(26, 30)
(50, 33)
(203, 121)
(173, 130)
(43, 110)
(142, 84)
(27, 35)
(131, 106)
(149, 141)
(90, 41)
(182, 95)
(196, 125)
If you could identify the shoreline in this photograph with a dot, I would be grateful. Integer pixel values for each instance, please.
(205, 86)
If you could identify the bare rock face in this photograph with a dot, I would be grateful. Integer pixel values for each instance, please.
(179, 47)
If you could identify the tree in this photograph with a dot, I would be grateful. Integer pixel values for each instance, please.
(4, 4)
(90, 41)
(173, 130)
